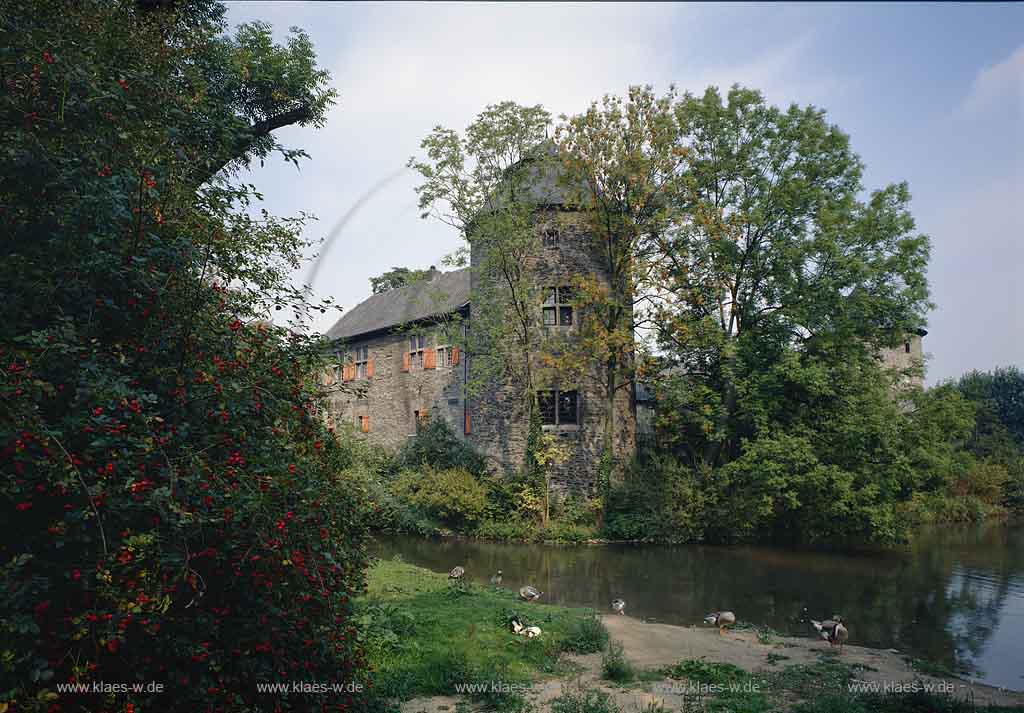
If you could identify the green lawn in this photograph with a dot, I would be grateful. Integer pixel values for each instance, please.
(424, 636)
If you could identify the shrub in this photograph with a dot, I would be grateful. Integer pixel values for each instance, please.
(660, 498)
(436, 446)
(178, 509)
(557, 531)
(586, 635)
(615, 666)
(452, 496)
(507, 530)
(581, 699)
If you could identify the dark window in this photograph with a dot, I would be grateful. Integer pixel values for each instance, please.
(567, 407)
(558, 408)
(551, 237)
(361, 359)
(558, 306)
(906, 347)
(417, 343)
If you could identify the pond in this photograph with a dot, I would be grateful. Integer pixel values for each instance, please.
(956, 597)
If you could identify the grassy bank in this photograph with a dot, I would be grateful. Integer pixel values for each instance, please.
(426, 638)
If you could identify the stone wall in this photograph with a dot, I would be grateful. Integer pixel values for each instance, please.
(907, 355)
(391, 397)
(500, 426)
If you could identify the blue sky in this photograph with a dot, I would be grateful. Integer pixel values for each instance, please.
(931, 94)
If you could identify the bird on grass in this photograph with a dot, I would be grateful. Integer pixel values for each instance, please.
(457, 577)
(619, 606)
(496, 579)
(530, 594)
(832, 630)
(721, 619)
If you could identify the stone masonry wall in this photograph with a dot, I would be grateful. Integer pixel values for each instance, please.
(391, 397)
(499, 421)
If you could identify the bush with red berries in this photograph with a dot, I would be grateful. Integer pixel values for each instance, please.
(175, 534)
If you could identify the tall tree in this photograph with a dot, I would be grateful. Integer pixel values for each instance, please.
(621, 164)
(773, 251)
(482, 183)
(178, 512)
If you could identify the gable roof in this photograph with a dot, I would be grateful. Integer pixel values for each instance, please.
(443, 293)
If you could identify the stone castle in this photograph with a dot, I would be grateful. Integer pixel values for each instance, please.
(399, 362)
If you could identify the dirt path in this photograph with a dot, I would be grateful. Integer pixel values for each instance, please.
(651, 646)
(656, 645)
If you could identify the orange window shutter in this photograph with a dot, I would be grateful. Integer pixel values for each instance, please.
(455, 356)
(369, 369)
(423, 414)
(365, 422)
(467, 429)
(345, 373)
(429, 359)
(405, 361)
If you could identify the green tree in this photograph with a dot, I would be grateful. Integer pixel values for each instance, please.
(484, 184)
(621, 165)
(772, 253)
(177, 508)
(396, 277)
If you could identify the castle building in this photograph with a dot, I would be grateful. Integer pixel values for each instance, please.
(401, 358)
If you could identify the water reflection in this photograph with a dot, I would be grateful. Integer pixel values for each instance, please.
(956, 597)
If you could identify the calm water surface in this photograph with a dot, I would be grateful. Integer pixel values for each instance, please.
(956, 597)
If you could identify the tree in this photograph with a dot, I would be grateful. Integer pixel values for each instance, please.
(483, 184)
(177, 509)
(773, 254)
(621, 162)
(396, 277)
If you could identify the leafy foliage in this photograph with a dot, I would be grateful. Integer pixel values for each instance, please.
(586, 635)
(396, 277)
(178, 509)
(454, 497)
(437, 446)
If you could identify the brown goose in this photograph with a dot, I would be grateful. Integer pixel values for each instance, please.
(721, 619)
(530, 594)
(833, 631)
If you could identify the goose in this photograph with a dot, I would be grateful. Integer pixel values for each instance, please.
(721, 619)
(619, 606)
(832, 630)
(496, 579)
(529, 593)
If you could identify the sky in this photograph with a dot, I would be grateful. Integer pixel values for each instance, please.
(931, 94)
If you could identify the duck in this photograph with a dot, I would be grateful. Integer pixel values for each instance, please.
(515, 625)
(721, 619)
(496, 579)
(619, 606)
(531, 632)
(529, 593)
(456, 574)
(832, 630)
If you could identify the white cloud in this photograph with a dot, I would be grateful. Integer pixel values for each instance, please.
(998, 86)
